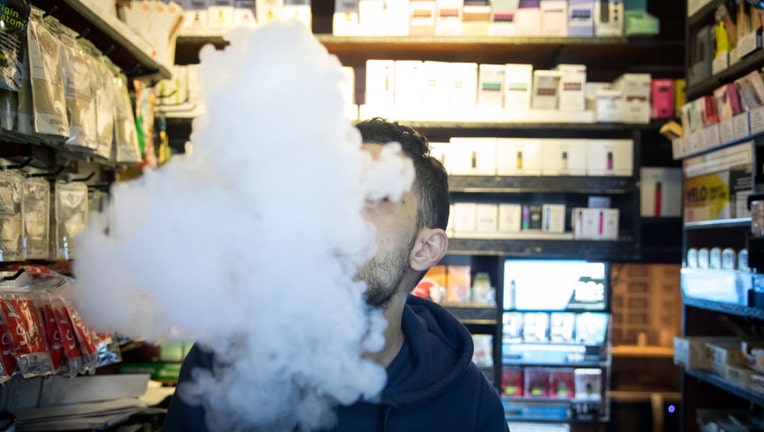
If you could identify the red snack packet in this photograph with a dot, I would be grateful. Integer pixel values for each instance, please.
(27, 333)
(53, 337)
(7, 360)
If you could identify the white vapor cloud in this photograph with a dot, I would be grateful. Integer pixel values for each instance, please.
(251, 242)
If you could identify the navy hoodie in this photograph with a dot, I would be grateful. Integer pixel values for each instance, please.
(432, 384)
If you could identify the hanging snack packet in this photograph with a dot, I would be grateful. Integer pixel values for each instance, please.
(25, 104)
(11, 216)
(128, 150)
(88, 348)
(36, 218)
(107, 349)
(9, 101)
(6, 352)
(79, 80)
(26, 329)
(46, 73)
(106, 110)
(14, 16)
(71, 215)
(53, 336)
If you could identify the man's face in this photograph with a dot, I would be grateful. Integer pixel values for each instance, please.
(396, 230)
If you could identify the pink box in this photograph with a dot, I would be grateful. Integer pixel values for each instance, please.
(710, 115)
(727, 101)
(663, 98)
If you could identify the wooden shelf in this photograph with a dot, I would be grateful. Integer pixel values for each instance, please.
(642, 351)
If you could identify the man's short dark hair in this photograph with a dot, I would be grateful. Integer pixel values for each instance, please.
(431, 183)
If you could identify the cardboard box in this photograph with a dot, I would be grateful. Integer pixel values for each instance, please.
(345, 19)
(448, 17)
(464, 86)
(607, 224)
(383, 18)
(510, 217)
(531, 217)
(536, 382)
(662, 94)
(580, 18)
(554, 17)
(269, 10)
(553, 218)
(465, 217)
(475, 18)
(459, 284)
(563, 157)
(512, 381)
(380, 82)
(691, 352)
(660, 192)
(408, 84)
(608, 18)
(572, 92)
(487, 218)
(518, 156)
(723, 353)
(481, 156)
(610, 157)
(546, 88)
(728, 102)
(436, 83)
(584, 223)
(528, 19)
(518, 86)
(588, 382)
(491, 86)
(561, 383)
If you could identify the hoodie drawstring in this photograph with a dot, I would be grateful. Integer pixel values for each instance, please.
(388, 409)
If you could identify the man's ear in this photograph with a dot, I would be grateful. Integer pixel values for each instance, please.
(430, 246)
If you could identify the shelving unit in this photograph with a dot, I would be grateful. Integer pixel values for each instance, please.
(716, 300)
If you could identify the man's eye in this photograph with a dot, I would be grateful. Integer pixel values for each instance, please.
(377, 200)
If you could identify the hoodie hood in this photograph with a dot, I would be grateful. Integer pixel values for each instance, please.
(437, 351)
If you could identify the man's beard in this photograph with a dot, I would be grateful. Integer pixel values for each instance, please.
(383, 275)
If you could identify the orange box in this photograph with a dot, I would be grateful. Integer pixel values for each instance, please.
(459, 284)
(433, 284)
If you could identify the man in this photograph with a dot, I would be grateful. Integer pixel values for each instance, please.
(432, 383)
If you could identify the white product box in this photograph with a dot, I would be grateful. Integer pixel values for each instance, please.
(465, 217)
(518, 156)
(491, 86)
(345, 18)
(502, 22)
(554, 17)
(480, 156)
(607, 224)
(518, 86)
(383, 17)
(608, 106)
(448, 17)
(528, 22)
(422, 17)
(244, 14)
(220, 18)
(435, 87)
(572, 91)
(299, 10)
(408, 84)
(486, 218)
(268, 10)
(439, 151)
(475, 18)
(611, 157)
(546, 87)
(634, 85)
(563, 157)
(553, 218)
(584, 223)
(464, 87)
(660, 192)
(510, 217)
(380, 82)
(608, 18)
(634, 110)
(580, 18)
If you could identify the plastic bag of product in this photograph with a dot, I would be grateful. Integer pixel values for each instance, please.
(47, 76)
(87, 345)
(26, 328)
(107, 349)
(11, 216)
(106, 110)
(9, 101)
(71, 215)
(53, 336)
(24, 102)
(15, 17)
(36, 218)
(128, 150)
(6, 352)
(79, 80)
(145, 102)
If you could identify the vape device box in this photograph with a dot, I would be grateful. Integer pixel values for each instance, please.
(491, 86)
(588, 383)
(612, 157)
(448, 17)
(536, 382)
(476, 14)
(531, 217)
(518, 156)
(512, 381)
(528, 18)
(585, 223)
(563, 157)
(435, 86)
(380, 82)
(518, 85)
(554, 17)
(572, 95)
(486, 218)
(422, 17)
(662, 92)
(660, 192)
(546, 86)
(608, 18)
(465, 214)
(480, 155)
(561, 383)
(509, 217)
(728, 102)
(553, 218)
(580, 18)
(463, 86)
(607, 224)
